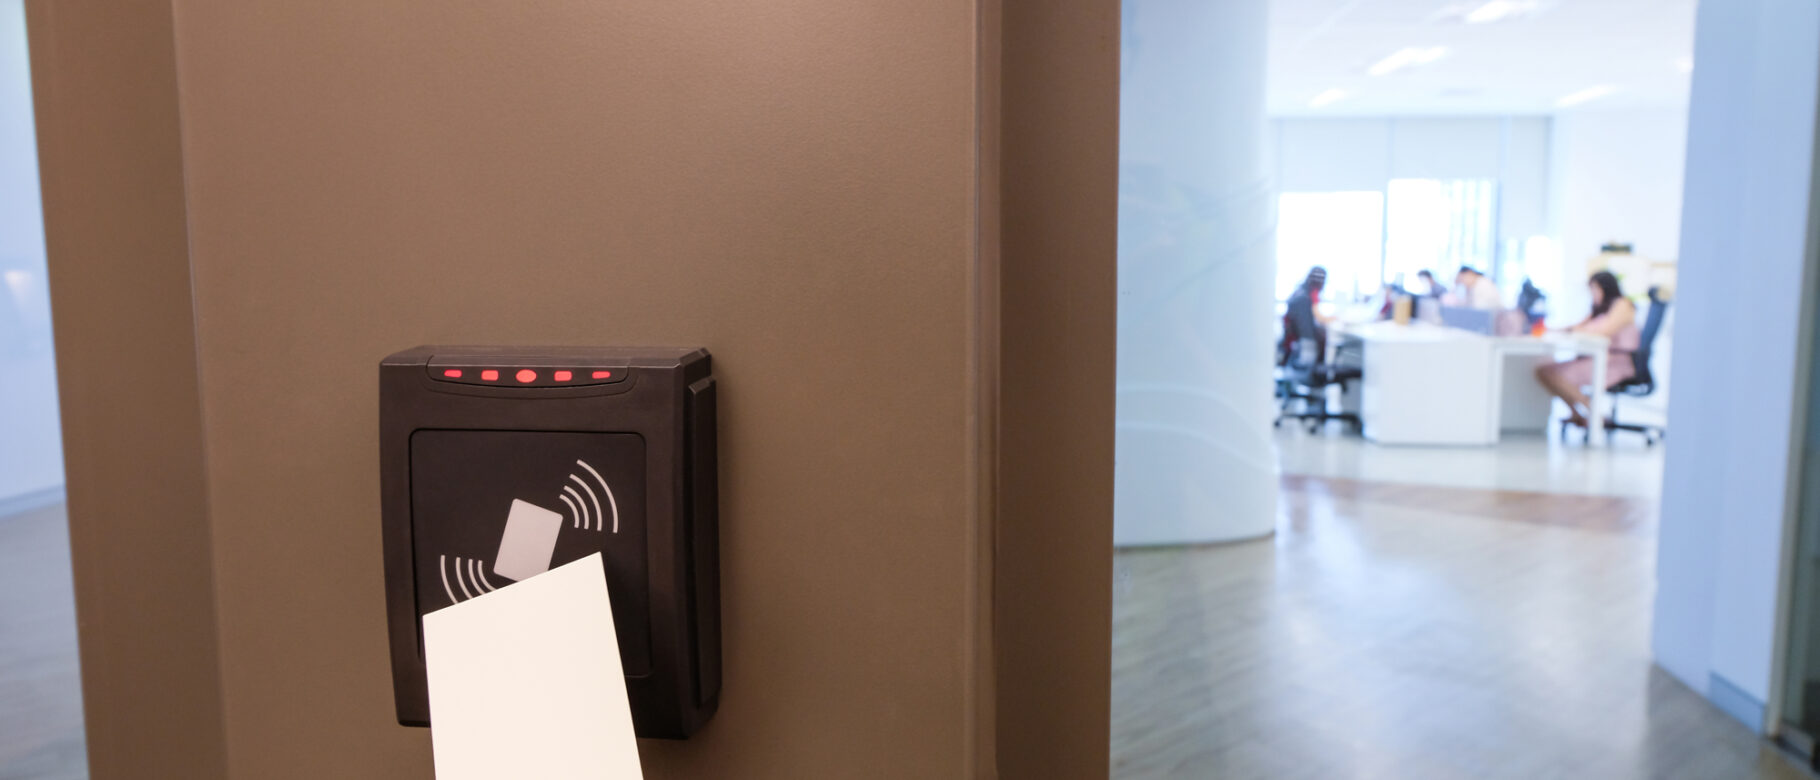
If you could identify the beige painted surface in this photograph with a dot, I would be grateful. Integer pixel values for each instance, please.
(105, 95)
(797, 186)
(1053, 574)
(787, 184)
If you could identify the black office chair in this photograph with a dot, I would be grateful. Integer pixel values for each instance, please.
(1303, 378)
(1533, 303)
(1641, 382)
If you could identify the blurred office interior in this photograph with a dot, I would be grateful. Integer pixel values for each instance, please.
(1412, 557)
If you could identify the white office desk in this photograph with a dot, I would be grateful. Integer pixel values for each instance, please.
(1433, 385)
(1518, 412)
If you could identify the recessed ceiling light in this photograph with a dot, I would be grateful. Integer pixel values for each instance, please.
(1499, 10)
(1330, 96)
(1585, 95)
(1403, 58)
(1685, 64)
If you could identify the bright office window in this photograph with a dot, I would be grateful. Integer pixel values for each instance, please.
(1343, 231)
(1439, 225)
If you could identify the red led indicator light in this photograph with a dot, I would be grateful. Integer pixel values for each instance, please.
(603, 375)
(526, 375)
(490, 375)
(452, 373)
(562, 376)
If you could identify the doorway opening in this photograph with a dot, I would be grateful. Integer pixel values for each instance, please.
(1433, 552)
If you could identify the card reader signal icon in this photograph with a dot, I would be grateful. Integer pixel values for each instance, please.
(476, 572)
(579, 509)
(529, 541)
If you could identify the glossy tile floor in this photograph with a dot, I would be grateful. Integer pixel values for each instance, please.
(1410, 632)
(40, 688)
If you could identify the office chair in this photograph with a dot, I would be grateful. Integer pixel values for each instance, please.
(1533, 303)
(1641, 382)
(1304, 377)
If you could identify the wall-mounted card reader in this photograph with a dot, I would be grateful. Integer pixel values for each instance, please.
(500, 463)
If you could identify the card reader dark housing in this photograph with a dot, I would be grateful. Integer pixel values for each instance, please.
(497, 463)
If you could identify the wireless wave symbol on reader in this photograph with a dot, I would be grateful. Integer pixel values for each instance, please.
(529, 541)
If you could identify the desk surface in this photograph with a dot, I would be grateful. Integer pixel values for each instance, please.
(1385, 330)
(1578, 342)
(1423, 332)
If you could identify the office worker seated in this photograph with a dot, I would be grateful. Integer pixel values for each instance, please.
(1304, 346)
(1614, 317)
(1473, 290)
(1303, 319)
(1433, 288)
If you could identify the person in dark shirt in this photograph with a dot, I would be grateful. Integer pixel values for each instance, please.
(1302, 320)
(1435, 290)
(1304, 347)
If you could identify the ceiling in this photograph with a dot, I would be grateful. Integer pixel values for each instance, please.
(1521, 64)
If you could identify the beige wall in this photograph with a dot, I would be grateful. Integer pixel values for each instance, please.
(112, 174)
(1059, 321)
(797, 186)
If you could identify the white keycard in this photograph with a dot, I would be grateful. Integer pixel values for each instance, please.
(526, 682)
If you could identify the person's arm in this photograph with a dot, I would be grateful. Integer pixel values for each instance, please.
(1620, 316)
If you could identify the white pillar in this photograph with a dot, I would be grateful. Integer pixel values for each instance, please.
(1196, 462)
(1741, 348)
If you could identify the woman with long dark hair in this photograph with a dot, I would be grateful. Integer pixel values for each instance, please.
(1614, 317)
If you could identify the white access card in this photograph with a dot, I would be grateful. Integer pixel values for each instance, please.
(529, 541)
(526, 682)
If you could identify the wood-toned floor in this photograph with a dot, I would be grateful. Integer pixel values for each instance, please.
(1386, 631)
(1409, 632)
(40, 688)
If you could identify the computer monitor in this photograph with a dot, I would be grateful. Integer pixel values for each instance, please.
(1428, 309)
(1475, 320)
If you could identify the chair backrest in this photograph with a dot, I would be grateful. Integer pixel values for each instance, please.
(1527, 298)
(1531, 301)
(1286, 346)
(1652, 325)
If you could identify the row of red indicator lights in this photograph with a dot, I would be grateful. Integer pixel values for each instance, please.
(524, 375)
